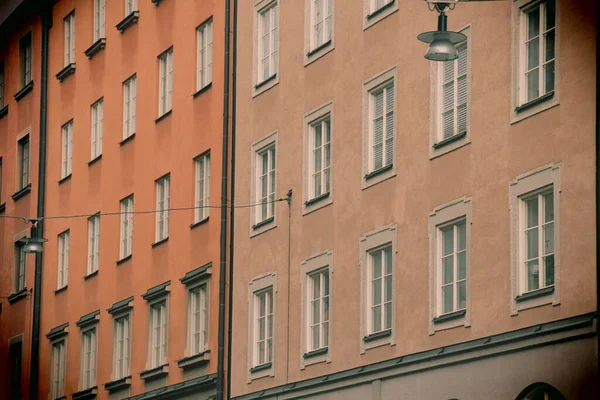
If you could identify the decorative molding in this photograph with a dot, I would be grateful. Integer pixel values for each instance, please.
(58, 331)
(120, 306)
(88, 319)
(95, 48)
(26, 89)
(128, 21)
(157, 291)
(197, 274)
(65, 72)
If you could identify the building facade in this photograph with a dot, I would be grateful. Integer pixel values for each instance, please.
(422, 230)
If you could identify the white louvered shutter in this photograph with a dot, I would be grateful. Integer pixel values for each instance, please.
(389, 125)
(169, 81)
(378, 130)
(462, 90)
(448, 100)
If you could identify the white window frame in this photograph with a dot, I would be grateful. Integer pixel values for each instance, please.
(157, 341)
(121, 345)
(204, 34)
(165, 82)
(58, 368)
(20, 266)
(443, 216)
(202, 187)
(97, 129)
(129, 106)
(372, 13)
(67, 150)
(258, 285)
(93, 244)
(314, 47)
(130, 6)
(126, 231)
(370, 175)
(319, 263)
(99, 20)
(257, 223)
(531, 183)
(89, 357)
(64, 250)
(163, 203)
(23, 161)
(193, 346)
(373, 241)
(26, 53)
(69, 39)
(519, 86)
(260, 83)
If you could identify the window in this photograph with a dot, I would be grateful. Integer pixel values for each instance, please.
(88, 358)
(93, 244)
(97, 128)
(99, 19)
(267, 42)
(534, 201)
(377, 4)
(261, 330)
(67, 150)
(266, 184)
(1, 180)
(121, 347)
(202, 164)
(320, 167)
(57, 384)
(453, 263)
(453, 92)
(380, 289)
(25, 57)
(376, 10)
(197, 319)
(64, 247)
(162, 207)
(321, 21)
(205, 54)
(15, 366)
(126, 227)
(23, 177)
(130, 6)
(2, 85)
(129, 107)
(165, 82)
(69, 23)
(263, 340)
(158, 334)
(20, 266)
(318, 296)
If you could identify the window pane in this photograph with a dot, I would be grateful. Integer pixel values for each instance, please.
(448, 269)
(549, 45)
(462, 295)
(533, 53)
(448, 240)
(376, 287)
(388, 316)
(549, 265)
(462, 265)
(532, 212)
(376, 319)
(532, 275)
(531, 238)
(533, 86)
(549, 76)
(462, 236)
(315, 337)
(550, 14)
(388, 260)
(549, 207)
(388, 288)
(316, 311)
(447, 298)
(549, 238)
(533, 23)
(376, 264)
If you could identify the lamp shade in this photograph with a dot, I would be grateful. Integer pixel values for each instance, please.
(442, 44)
(33, 245)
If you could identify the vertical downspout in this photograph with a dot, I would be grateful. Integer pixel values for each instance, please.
(232, 197)
(39, 231)
(597, 184)
(224, 202)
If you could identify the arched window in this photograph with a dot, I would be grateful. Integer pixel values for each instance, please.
(540, 391)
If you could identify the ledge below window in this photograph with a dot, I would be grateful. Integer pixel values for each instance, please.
(2, 207)
(26, 89)
(316, 199)
(122, 260)
(318, 48)
(314, 353)
(201, 222)
(156, 2)
(263, 223)
(263, 83)
(202, 89)
(90, 275)
(3, 111)
(22, 192)
(379, 171)
(195, 360)
(381, 9)
(62, 289)
(450, 139)
(63, 180)
(449, 316)
(535, 293)
(65, 72)
(261, 367)
(378, 335)
(95, 48)
(128, 21)
(161, 241)
(18, 295)
(85, 394)
(118, 384)
(127, 139)
(154, 373)
(95, 160)
(165, 115)
(535, 102)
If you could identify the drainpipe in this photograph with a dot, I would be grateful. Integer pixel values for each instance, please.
(46, 12)
(597, 182)
(223, 241)
(232, 192)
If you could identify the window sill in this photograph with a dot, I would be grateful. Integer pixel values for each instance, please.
(65, 72)
(450, 139)
(90, 275)
(85, 394)
(18, 295)
(62, 289)
(22, 192)
(94, 160)
(127, 139)
(318, 49)
(194, 361)
(316, 199)
(2, 207)
(3, 111)
(261, 367)
(124, 259)
(381, 9)
(202, 89)
(378, 335)
(95, 48)
(63, 180)
(23, 92)
(201, 222)
(61, 398)
(118, 384)
(534, 102)
(165, 115)
(379, 171)
(265, 82)
(535, 294)
(156, 2)
(449, 316)
(263, 223)
(161, 241)
(128, 21)
(154, 373)
(314, 353)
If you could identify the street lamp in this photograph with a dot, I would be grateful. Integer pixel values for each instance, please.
(33, 244)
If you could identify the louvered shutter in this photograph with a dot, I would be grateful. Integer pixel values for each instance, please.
(169, 80)
(67, 44)
(69, 148)
(448, 99)
(378, 130)
(209, 53)
(462, 90)
(72, 25)
(163, 337)
(100, 126)
(389, 125)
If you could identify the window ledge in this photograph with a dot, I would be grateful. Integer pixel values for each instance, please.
(156, 2)
(64, 179)
(124, 259)
(449, 316)
(62, 289)
(378, 335)
(3, 111)
(263, 223)
(381, 9)
(65, 72)
(127, 139)
(61, 398)
(535, 293)
(202, 89)
(161, 241)
(90, 275)
(18, 295)
(264, 82)
(315, 353)
(195, 360)
(2, 207)
(316, 199)
(26, 89)
(201, 222)
(379, 171)
(535, 102)
(318, 48)
(22, 192)
(94, 160)
(165, 115)
(154, 373)
(128, 21)
(95, 48)
(85, 394)
(118, 384)
(261, 367)
(450, 139)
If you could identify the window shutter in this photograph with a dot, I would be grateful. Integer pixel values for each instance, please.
(67, 42)
(378, 130)
(169, 80)
(132, 104)
(389, 126)
(72, 25)
(100, 126)
(274, 40)
(163, 333)
(462, 90)
(103, 18)
(209, 52)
